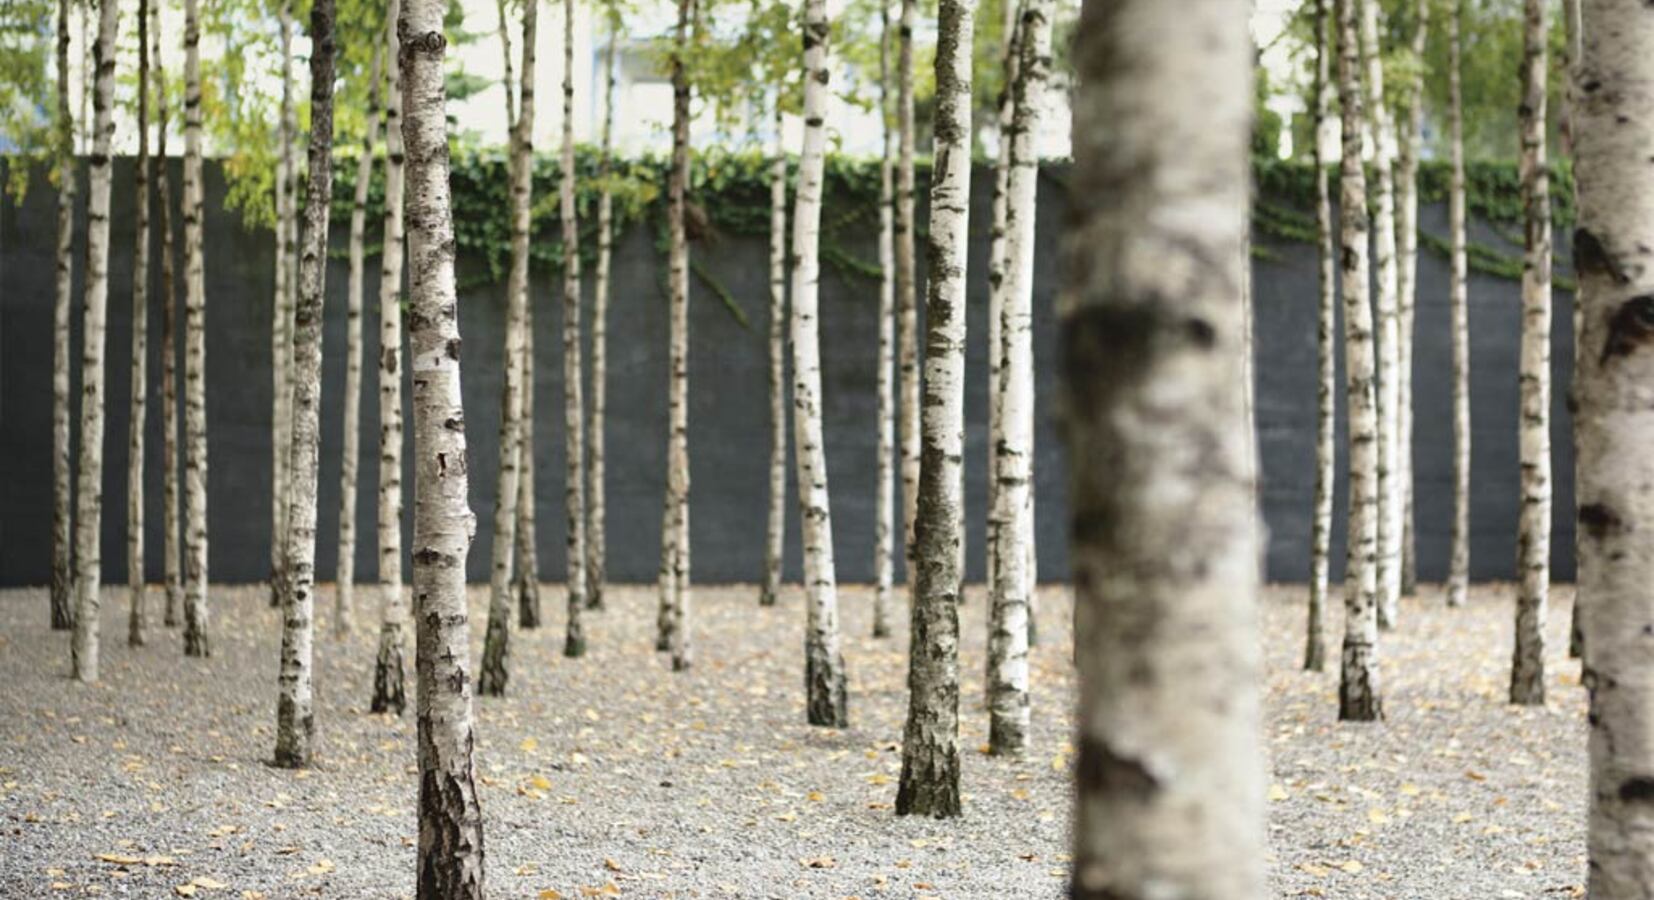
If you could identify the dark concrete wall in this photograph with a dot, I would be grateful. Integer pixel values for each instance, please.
(728, 436)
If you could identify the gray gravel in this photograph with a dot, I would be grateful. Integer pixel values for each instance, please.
(613, 774)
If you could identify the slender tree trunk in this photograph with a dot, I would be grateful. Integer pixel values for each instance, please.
(496, 652)
(574, 415)
(1012, 587)
(1458, 567)
(281, 328)
(1358, 690)
(1570, 70)
(1527, 672)
(1611, 254)
(63, 616)
(196, 639)
(95, 315)
(389, 677)
(1411, 110)
(1009, 62)
(930, 744)
(1315, 645)
(907, 307)
(596, 526)
(1169, 752)
(673, 621)
(525, 573)
(884, 491)
(344, 598)
(295, 714)
(450, 820)
(138, 619)
(1383, 235)
(775, 529)
(508, 81)
(173, 567)
(825, 692)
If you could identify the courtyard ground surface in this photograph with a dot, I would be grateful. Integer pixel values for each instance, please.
(611, 775)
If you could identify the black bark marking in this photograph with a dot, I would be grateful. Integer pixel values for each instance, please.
(1632, 324)
(1599, 519)
(1101, 770)
(1592, 258)
(1637, 789)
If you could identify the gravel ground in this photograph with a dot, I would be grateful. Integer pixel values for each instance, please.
(613, 775)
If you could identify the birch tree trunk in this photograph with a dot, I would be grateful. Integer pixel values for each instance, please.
(907, 308)
(1527, 671)
(389, 677)
(295, 699)
(344, 598)
(825, 692)
(1010, 28)
(496, 653)
(1458, 298)
(95, 315)
(1169, 753)
(574, 416)
(1612, 135)
(1358, 689)
(775, 527)
(281, 328)
(1383, 235)
(172, 568)
(596, 525)
(525, 573)
(1411, 109)
(196, 638)
(63, 579)
(450, 821)
(1565, 128)
(929, 783)
(1013, 584)
(1315, 646)
(138, 619)
(673, 620)
(884, 490)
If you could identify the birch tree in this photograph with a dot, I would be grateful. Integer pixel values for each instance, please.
(1569, 65)
(1012, 587)
(1010, 28)
(1169, 753)
(1527, 672)
(1383, 235)
(1315, 648)
(1358, 688)
(929, 783)
(138, 619)
(1458, 298)
(94, 324)
(450, 856)
(1410, 110)
(172, 568)
(282, 310)
(574, 415)
(196, 637)
(62, 601)
(596, 524)
(672, 621)
(1612, 134)
(884, 490)
(497, 643)
(775, 524)
(525, 571)
(907, 308)
(344, 599)
(389, 678)
(295, 699)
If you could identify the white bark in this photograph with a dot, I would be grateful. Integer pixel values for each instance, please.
(282, 310)
(1012, 586)
(673, 620)
(1170, 773)
(94, 324)
(1010, 29)
(1358, 689)
(389, 680)
(62, 592)
(826, 695)
(884, 489)
(171, 543)
(775, 526)
(596, 510)
(929, 784)
(450, 862)
(1612, 250)
(1458, 298)
(907, 309)
(574, 416)
(344, 597)
(1533, 539)
(1411, 109)
(196, 635)
(138, 620)
(496, 652)
(1315, 647)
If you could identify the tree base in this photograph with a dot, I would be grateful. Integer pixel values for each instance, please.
(574, 646)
